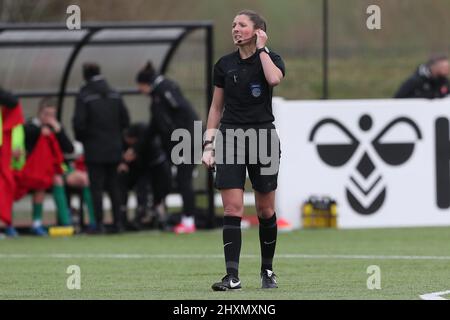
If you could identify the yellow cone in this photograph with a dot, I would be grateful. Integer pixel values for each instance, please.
(61, 231)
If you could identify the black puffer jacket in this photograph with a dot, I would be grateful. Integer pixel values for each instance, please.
(99, 120)
(170, 110)
(423, 85)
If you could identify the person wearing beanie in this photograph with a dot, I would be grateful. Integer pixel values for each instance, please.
(99, 120)
(171, 110)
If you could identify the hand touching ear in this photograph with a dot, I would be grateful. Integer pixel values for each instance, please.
(261, 38)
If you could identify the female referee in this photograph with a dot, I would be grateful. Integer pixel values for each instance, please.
(242, 101)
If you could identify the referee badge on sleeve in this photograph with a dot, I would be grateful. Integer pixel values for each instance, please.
(255, 89)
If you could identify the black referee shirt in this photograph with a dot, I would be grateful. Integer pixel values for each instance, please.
(248, 96)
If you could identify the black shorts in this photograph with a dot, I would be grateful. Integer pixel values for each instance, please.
(252, 148)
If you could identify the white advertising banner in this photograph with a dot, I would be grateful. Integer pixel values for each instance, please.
(385, 162)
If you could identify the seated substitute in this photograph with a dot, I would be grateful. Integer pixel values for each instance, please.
(45, 142)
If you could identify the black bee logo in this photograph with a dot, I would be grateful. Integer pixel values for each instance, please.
(366, 191)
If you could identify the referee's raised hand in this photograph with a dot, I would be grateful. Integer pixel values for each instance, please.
(261, 38)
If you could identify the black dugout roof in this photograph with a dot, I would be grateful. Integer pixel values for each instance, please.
(38, 60)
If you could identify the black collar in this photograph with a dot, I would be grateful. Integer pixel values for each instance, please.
(250, 60)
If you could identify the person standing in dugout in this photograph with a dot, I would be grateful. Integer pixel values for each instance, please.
(171, 110)
(242, 100)
(99, 120)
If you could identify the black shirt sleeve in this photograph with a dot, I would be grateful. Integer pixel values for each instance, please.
(219, 75)
(79, 120)
(171, 94)
(278, 62)
(32, 134)
(162, 123)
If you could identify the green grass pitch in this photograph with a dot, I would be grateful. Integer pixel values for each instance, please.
(311, 264)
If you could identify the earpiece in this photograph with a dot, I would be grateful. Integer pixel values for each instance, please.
(242, 40)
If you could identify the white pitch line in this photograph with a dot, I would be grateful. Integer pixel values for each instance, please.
(214, 256)
(434, 295)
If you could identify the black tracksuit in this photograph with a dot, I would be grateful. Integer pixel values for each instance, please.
(422, 85)
(99, 120)
(171, 110)
(149, 172)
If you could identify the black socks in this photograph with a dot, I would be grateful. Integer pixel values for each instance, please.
(268, 240)
(232, 243)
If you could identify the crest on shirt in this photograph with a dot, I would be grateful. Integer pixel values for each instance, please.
(256, 89)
